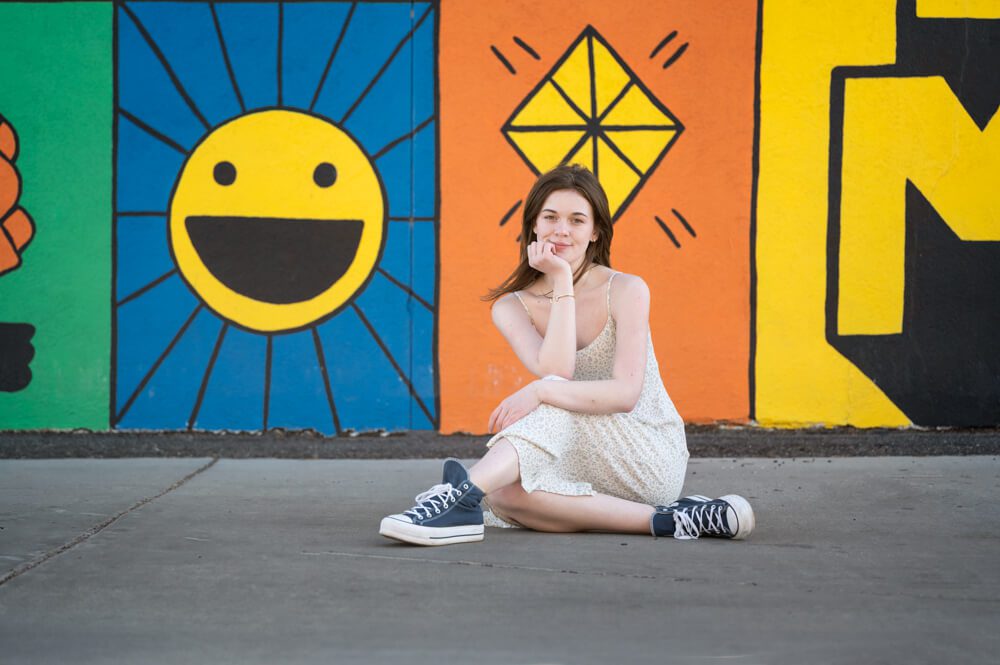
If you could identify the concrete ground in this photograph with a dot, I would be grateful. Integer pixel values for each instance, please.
(192, 560)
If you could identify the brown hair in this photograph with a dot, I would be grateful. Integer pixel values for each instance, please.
(567, 176)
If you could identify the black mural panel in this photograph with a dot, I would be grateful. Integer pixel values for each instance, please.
(944, 368)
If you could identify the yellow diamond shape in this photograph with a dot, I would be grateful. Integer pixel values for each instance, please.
(591, 109)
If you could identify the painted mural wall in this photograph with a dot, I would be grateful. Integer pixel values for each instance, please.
(257, 215)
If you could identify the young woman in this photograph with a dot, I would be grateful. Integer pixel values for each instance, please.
(595, 444)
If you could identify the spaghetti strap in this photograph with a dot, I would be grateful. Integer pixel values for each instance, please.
(528, 311)
(610, 279)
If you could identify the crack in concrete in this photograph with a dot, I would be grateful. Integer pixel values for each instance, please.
(506, 566)
(96, 529)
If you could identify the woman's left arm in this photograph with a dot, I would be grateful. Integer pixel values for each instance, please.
(619, 394)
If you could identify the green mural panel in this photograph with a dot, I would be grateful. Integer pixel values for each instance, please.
(56, 74)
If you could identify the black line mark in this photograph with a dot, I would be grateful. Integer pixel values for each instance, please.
(385, 65)
(531, 51)
(267, 377)
(208, 374)
(666, 40)
(326, 379)
(504, 61)
(138, 292)
(166, 66)
(392, 361)
(755, 172)
(408, 290)
(510, 212)
(159, 361)
(140, 213)
(166, 140)
(684, 222)
(281, 35)
(667, 231)
(625, 158)
(572, 104)
(333, 55)
(392, 144)
(225, 57)
(677, 54)
(581, 127)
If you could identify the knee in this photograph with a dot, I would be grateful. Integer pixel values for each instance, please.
(508, 500)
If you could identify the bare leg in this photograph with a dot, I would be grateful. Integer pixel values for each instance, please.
(558, 513)
(498, 468)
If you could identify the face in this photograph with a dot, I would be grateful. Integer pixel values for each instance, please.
(277, 219)
(566, 221)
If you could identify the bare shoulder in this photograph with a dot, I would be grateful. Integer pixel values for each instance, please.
(505, 307)
(629, 287)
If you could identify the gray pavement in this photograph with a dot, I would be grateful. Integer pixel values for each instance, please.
(854, 560)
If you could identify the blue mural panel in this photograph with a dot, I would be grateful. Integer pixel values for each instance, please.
(366, 364)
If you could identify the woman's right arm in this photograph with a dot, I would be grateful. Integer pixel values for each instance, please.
(553, 354)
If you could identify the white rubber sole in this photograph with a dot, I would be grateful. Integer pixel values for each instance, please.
(745, 522)
(428, 535)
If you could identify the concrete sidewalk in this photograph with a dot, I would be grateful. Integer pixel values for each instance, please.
(855, 560)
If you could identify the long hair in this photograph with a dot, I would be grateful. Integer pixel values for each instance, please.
(567, 176)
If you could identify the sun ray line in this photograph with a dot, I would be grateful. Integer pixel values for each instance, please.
(208, 374)
(677, 54)
(621, 155)
(614, 101)
(392, 361)
(163, 138)
(520, 42)
(333, 55)
(159, 361)
(666, 40)
(593, 83)
(408, 290)
(392, 144)
(225, 57)
(667, 230)
(683, 221)
(166, 66)
(503, 60)
(321, 356)
(385, 65)
(510, 212)
(142, 290)
(569, 101)
(267, 380)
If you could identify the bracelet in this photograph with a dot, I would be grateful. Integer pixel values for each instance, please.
(557, 298)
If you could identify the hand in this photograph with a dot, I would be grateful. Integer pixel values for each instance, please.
(515, 407)
(543, 258)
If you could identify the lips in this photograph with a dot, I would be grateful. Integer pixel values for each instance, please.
(272, 259)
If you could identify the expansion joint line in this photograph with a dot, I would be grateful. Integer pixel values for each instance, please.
(94, 530)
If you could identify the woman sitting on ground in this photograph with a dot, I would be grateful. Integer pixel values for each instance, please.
(595, 444)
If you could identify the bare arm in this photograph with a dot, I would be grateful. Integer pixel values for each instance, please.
(619, 394)
(555, 354)
(630, 308)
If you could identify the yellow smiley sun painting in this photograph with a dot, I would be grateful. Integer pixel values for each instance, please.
(276, 212)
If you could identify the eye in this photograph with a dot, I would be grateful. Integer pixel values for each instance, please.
(325, 174)
(224, 173)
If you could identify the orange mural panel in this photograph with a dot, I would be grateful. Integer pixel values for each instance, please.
(660, 99)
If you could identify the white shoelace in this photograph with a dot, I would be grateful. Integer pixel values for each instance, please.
(439, 493)
(710, 520)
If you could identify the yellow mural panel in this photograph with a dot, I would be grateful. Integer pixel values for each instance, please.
(958, 9)
(800, 378)
(906, 129)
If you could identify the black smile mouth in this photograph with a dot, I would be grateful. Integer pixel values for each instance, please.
(272, 259)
